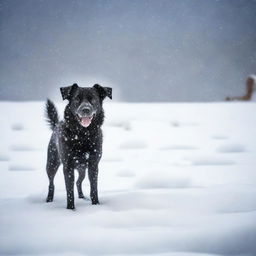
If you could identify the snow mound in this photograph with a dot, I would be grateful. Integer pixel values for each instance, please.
(17, 127)
(178, 147)
(219, 137)
(211, 160)
(14, 167)
(231, 148)
(4, 157)
(176, 123)
(22, 147)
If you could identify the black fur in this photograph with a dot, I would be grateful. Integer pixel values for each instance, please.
(73, 144)
(52, 117)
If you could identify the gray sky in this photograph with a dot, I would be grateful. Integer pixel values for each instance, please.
(147, 50)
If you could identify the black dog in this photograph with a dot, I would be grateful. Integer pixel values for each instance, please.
(76, 142)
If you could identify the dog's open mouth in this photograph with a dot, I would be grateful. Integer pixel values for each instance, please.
(85, 121)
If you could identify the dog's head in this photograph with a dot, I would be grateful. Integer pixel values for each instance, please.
(85, 102)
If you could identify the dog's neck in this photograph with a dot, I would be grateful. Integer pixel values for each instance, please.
(74, 127)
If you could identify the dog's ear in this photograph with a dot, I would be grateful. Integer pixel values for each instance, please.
(67, 91)
(103, 91)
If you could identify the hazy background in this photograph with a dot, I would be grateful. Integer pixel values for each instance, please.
(147, 50)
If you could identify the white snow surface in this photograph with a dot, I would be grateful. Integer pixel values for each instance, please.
(174, 179)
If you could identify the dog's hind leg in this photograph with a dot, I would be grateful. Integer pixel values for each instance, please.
(53, 163)
(81, 173)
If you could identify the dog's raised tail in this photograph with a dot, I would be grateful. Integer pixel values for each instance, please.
(51, 114)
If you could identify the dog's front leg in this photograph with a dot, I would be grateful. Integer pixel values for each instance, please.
(93, 177)
(68, 170)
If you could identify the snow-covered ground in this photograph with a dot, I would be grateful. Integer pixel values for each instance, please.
(175, 179)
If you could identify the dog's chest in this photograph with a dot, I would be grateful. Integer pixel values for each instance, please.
(78, 145)
(83, 142)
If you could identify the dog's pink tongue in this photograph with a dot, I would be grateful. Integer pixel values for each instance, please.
(85, 121)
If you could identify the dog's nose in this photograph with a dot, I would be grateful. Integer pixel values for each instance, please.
(85, 110)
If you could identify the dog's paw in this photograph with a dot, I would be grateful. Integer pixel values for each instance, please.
(49, 199)
(81, 196)
(84, 198)
(71, 207)
(95, 202)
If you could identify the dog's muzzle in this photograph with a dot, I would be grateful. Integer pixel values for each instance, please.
(85, 115)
